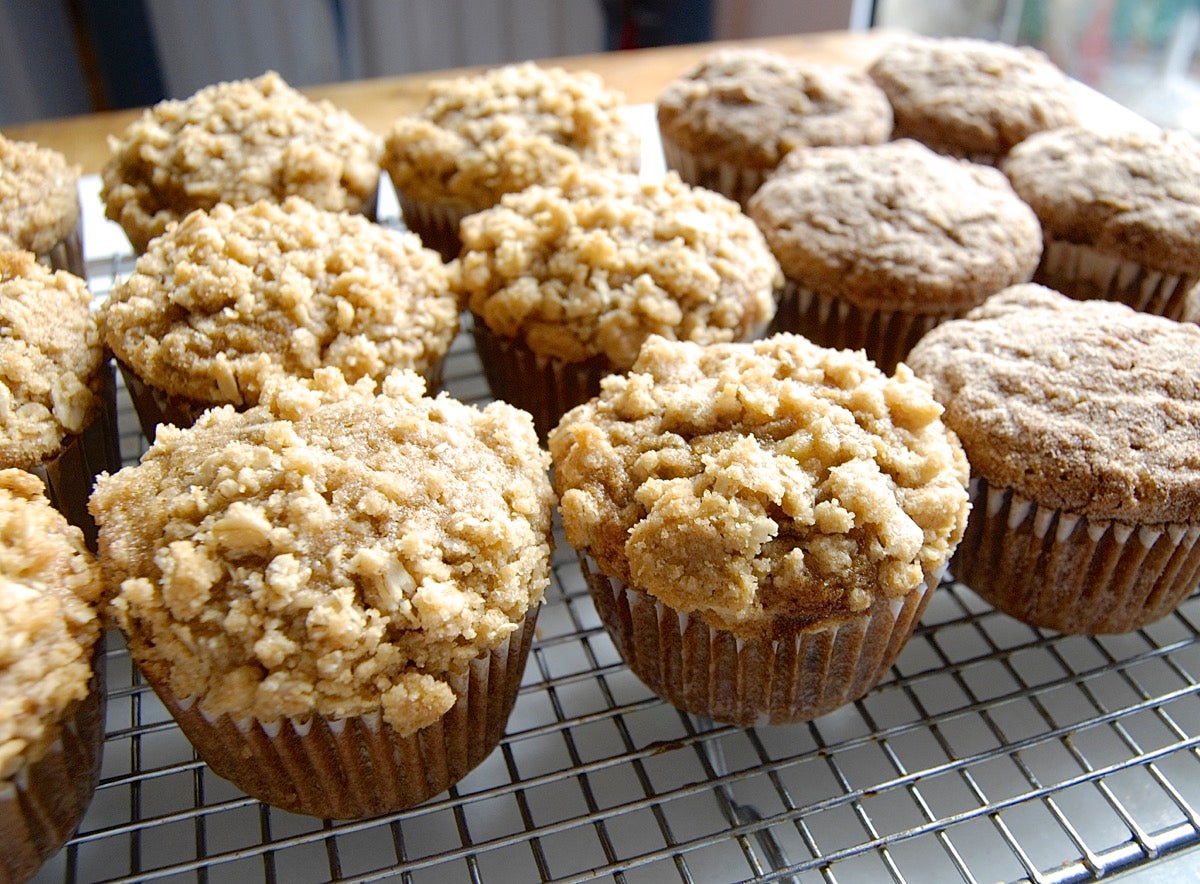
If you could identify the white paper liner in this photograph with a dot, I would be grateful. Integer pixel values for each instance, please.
(736, 182)
(1063, 571)
(435, 223)
(360, 767)
(1084, 273)
(710, 672)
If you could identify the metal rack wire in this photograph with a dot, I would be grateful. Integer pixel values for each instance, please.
(992, 752)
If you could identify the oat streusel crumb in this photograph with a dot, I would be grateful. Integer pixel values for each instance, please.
(603, 261)
(39, 198)
(230, 297)
(236, 142)
(483, 136)
(330, 551)
(49, 584)
(50, 357)
(767, 486)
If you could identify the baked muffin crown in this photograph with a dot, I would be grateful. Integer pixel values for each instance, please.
(768, 486)
(1084, 406)
(39, 197)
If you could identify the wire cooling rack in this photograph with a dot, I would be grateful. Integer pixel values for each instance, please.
(992, 751)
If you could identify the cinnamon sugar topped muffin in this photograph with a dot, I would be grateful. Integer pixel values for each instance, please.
(39, 198)
(237, 142)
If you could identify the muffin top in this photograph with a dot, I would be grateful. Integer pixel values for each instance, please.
(49, 584)
(768, 486)
(498, 132)
(39, 197)
(897, 225)
(1084, 406)
(229, 297)
(750, 107)
(329, 551)
(972, 98)
(598, 264)
(236, 143)
(50, 357)
(1134, 195)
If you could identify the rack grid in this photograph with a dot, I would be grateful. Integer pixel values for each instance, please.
(992, 751)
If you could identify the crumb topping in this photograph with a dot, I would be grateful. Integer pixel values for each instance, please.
(50, 357)
(49, 584)
(330, 551)
(237, 143)
(1135, 195)
(39, 197)
(896, 224)
(768, 486)
(230, 297)
(603, 261)
(1085, 406)
(483, 136)
(752, 107)
(971, 97)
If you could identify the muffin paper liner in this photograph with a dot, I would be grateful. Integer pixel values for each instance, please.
(67, 253)
(711, 672)
(349, 768)
(42, 805)
(1062, 571)
(734, 181)
(435, 223)
(886, 335)
(1084, 273)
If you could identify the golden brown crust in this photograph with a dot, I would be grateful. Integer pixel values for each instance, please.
(1134, 195)
(600, 263)
(49, 584)
(896, 226)
(480, 137)
(750, 107)
(50, 357)
(39, 197)
(329, 551)
(1087, 406)
(230, 297)
(236, 143)
(768, 486)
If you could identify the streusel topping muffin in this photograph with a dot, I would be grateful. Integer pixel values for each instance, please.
(39, 198)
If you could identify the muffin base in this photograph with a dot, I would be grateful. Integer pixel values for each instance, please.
(711, 672)
(1084, 273)
(435, 223)
(41, 807)
(67, 253)
(1062, 571)
(357, 767)
(729, 179)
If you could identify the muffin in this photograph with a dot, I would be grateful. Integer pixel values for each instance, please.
(39, 205)
(972, 98)
(881, 243)
(1120, 214)
(237, 143)
(334, 592)
(480, 137)
(727, 122)
(1081, 421)
(57, 396)
(230, 297)
(51, 677)
(565, 283)
(760, 525)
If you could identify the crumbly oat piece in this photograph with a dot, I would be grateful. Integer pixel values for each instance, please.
(39, 197)
(50, 358)
(230, 297)
(1085, 406)
(751, 107)
(897, 225)
(767, 486)
(1135, 195)
(498, 132)
(330, 551)
(237, 143)
(972, 98)
(600, 263)
(49, 584)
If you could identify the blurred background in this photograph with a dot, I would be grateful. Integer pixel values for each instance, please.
(66, 57)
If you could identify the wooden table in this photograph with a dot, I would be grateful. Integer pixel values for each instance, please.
(641, 74)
